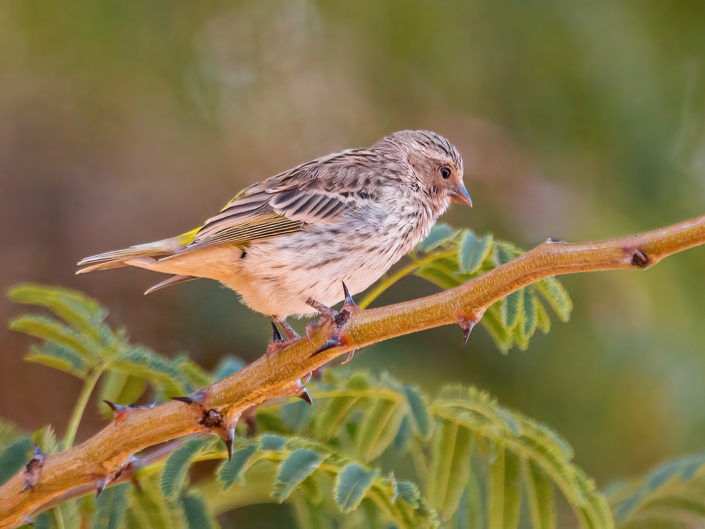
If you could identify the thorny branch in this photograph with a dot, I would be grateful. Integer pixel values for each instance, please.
(217, 407)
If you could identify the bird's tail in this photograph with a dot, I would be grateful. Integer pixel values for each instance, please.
(141, 255)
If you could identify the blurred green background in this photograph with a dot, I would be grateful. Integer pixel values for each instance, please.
(125, 121)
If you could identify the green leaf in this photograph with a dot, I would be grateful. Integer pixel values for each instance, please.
(177, 466)
(14, 457)
(438, 275)
(232, 471)
(419, 412)
(110, 508)
(512, 309)
(8, 433)
(227, 366)
(338, 409)
(351, 486)
(272, 442)
(296, 415)
(473, 251)
(45, 438)
(556, 296)
(66, 515)
(530, 317)
(409, 492)
(512, 490)
(196, 513)
(43, 521)
(540, 497)
(492, 322)
(56, 333)
(59, 358)
(450, 467)
(300, 464)
(496, 489)
(543, 321)
(149, 505)
(439, 234)
(143, 363)
(401, 439)
(378, 428)
(79, 311)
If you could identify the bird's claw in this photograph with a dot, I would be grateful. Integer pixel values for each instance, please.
(279, 342)
(339, 318)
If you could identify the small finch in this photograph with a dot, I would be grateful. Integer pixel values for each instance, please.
(346, 217)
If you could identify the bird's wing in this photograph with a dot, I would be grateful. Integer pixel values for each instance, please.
(282, 204)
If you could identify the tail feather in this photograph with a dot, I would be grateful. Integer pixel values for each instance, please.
(139, 254)
(171, 280)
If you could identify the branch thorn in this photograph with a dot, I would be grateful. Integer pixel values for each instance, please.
(33, 469)
(306, 397)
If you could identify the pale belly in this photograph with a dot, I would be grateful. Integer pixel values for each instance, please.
(279, 275)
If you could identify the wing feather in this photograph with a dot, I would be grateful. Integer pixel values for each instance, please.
(315, 192)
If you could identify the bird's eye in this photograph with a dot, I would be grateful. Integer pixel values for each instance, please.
(445, 172)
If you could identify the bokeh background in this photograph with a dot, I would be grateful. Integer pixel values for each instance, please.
(125, 121)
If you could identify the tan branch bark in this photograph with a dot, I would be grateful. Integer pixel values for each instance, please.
(276, 375)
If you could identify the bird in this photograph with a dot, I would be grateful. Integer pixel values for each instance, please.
(294, 237)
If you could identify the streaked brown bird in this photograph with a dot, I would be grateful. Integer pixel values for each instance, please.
(345, 217)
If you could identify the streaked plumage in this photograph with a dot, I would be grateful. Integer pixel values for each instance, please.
(348, 216)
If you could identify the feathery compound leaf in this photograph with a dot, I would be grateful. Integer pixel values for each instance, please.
(419, 412)
(144, 363)
(512, 490)
(439, 234)
(227, 366)
(233, 470)
(293, 470)
(672, 491)
(79, 311)
(495, 492)
(338, 409)
(56, 333)
(296, 415)
(409, 492)
(8, 433)
(473, 251)
(110, 508)
(556, 296)
(401, 439)
(59, 358)
(66, 515)
(378, 428)
(149, 506)
(196, 513)
(14, 457)
(351, 486)
(539, 495)
(528, 327)
(176, 467)
(450, 467)
(512, 309)
(270, 441)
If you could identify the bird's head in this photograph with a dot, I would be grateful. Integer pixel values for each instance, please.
(436, 165)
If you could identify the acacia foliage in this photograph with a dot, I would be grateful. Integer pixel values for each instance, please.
(372, 450)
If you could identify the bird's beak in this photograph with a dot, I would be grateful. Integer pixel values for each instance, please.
(459, 195)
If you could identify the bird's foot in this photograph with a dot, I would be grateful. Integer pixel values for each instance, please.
(279, 342)
(339, 319)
